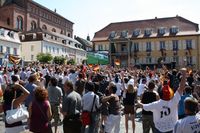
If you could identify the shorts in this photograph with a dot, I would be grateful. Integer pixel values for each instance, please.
(129, 109)
(55, 112)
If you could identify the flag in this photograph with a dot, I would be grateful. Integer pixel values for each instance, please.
(14, 59)
(96, 68)
(117, 62)
(90, 65)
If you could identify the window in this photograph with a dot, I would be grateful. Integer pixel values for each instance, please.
(148, 60)
(174, 30)
(44, 27)
(8, 21)
(8, 50)
(189, 60)
(188, 44)
(46, 48)
(148, 46)
(124, 34)
(62, 32)
(136, 32)
(162, 45)
(32, 57)
(53, 30)
(175, 59)
(1, 49)
(53, 50)
(123, 48)
(69, 35)
(58, 50)
(175, 45)
(148, 32)
(100, 47)
(15, 51)
(136, 46)
(49, 49)
(19, 24)
(32, 48)
(161, 31)
(33, 25)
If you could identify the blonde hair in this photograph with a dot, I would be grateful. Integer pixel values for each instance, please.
(130, 88)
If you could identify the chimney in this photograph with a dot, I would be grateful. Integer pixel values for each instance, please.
(55, 10)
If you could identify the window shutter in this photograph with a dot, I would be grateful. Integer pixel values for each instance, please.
(184, 44)
(144, 46)
(193, 44)
(193, 59)
(152, 46)
(140, 46)
(170, 45)
(158, 46)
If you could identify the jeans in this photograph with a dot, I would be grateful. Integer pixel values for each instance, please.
(147, 124)
(94, 126)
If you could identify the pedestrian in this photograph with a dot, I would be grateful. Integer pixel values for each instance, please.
(114, 117)
(165, 110)
(149, 96)
(55, 99)
(71, 109)
(189, 124)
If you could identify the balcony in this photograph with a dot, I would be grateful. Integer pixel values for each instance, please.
(175, 49)
(148, 50)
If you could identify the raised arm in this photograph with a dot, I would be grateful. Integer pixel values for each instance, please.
(183, 81)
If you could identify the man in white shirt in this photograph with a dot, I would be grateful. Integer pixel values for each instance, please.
(141, 87)
(191, 123)
(91, 103)
(165, 112)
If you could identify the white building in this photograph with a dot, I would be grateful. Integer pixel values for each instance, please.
(43, 41)
(9, 44)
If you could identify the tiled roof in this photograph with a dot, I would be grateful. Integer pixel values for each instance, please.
(182, 23)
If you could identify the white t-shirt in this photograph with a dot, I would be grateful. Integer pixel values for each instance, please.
(165, 113)
(119, 88)
(141, 89)
(189, 124)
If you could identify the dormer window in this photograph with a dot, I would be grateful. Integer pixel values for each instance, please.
(124, 34)
(174, 30)
(148, 32)
(161, 31)
(2, 31)
(11, 34)
(136, 32)
(112, 34)
(64, 41)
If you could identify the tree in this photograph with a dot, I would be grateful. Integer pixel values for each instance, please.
(71, 61)
(59, 60)
(44, 57)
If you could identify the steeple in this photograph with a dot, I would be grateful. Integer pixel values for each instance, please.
(88, 37)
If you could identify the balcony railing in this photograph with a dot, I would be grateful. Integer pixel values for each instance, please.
(148, 50)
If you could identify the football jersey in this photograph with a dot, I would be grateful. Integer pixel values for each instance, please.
(189, 124)
(165, 113)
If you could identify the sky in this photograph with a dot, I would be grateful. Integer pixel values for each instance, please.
(90, 16)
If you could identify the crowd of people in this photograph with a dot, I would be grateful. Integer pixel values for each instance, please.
(59, 94)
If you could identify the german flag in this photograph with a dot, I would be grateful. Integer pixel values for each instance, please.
(96, 68)
(90, 65)
(117, 62)
(14, 59)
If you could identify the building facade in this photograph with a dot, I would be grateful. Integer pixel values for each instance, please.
(40, 41)
(172, 41)
(26, 15)
(9, 45)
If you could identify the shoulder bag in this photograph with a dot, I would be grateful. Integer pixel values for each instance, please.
(86, 115)
(16, 115)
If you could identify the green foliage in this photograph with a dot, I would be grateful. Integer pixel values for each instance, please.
(71, 61)
(59, 60)
(44, 57)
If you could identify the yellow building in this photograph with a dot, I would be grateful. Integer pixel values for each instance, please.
(173, 41)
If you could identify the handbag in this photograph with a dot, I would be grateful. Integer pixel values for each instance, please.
(86, 115)
(44, 116)
(16, 115)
